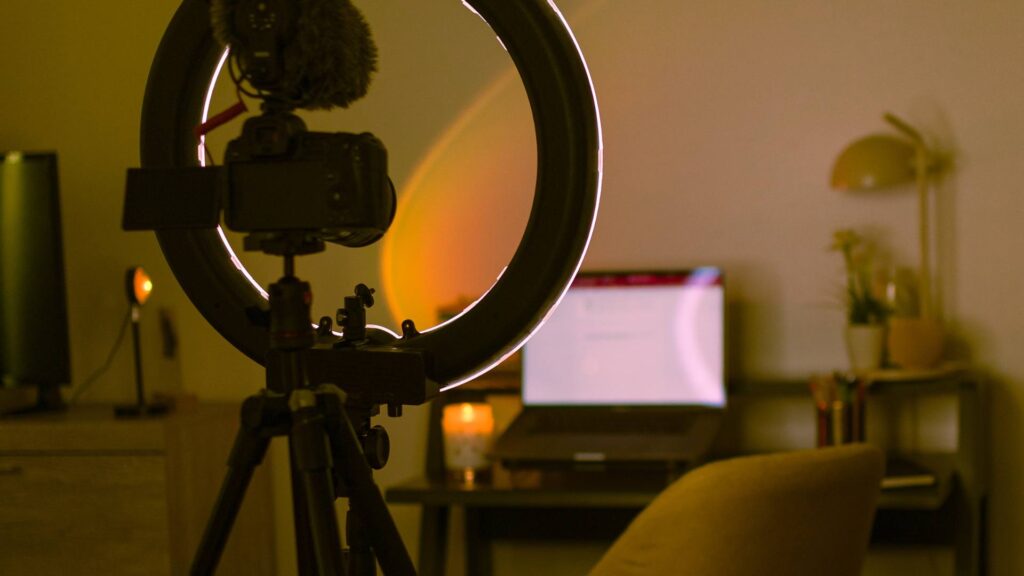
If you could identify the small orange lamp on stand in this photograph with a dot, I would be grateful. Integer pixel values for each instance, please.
(882, 161)
(139, 286)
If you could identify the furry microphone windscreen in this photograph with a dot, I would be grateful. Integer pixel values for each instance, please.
(327, 61)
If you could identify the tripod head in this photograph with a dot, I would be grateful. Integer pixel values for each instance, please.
(367, 367)
(293, 341)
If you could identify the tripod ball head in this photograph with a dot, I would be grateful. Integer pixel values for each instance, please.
(290, 324)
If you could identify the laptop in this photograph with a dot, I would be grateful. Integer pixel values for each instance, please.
(628, 370)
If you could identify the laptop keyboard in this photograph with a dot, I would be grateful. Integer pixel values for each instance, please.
(587, 422)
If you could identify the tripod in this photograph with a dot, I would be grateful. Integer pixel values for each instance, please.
(332, 447)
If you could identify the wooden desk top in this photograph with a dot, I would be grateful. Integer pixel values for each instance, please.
(602, 489)
(537, 489)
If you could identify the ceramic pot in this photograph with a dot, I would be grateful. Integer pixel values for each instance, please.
(915, 343)
(865, 345)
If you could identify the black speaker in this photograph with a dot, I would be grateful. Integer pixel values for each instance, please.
(34, 343)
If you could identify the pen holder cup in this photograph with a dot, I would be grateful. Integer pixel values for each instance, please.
(840, 409)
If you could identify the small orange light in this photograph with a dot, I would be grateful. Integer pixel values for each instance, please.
(468, 419)
(139, 285)
(468, 433)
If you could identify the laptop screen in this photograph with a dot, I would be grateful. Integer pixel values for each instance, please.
(631, 339)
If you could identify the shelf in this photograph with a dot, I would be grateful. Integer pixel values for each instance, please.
(917, 375)
(930, 497)
(422, 491)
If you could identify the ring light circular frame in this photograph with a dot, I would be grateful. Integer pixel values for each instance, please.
(567, 127)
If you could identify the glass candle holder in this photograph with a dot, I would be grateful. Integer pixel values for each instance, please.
(468, 432)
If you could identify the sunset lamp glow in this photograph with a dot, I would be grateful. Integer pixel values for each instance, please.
(140, 286)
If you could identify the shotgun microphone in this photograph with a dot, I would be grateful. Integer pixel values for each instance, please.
(310, 54)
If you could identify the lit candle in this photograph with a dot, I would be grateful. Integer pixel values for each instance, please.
(468, 429)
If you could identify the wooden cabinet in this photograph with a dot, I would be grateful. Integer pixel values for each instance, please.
(83, 493)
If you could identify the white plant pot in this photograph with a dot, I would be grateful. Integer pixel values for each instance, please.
(865, 345)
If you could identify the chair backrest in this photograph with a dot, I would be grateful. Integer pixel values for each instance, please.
(789, 514)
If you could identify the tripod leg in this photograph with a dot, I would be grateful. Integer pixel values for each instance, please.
(247, 453)
(366, 501)
(312, 458)
(305, 553)
(360, 555)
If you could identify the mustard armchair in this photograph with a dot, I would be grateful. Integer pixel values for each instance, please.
(804, 513)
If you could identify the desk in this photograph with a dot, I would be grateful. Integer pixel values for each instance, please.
(530, 504)
(536, 505)
(597, 506)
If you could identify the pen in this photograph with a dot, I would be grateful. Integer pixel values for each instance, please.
(819, 394)
(838, 418)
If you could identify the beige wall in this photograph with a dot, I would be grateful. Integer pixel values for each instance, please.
(721, 123)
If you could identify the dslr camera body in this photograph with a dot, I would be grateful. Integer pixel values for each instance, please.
(280, 177)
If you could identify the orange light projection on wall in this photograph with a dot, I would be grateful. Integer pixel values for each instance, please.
(461, 215)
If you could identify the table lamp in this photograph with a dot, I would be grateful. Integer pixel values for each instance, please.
(139, 286)
(882, 161)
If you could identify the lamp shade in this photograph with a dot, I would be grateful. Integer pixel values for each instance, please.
(875, 161)
(139, 285)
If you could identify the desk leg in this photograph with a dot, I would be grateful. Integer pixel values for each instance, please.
(433, 540)
(478, 544)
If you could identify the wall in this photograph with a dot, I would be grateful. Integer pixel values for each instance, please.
(721, 121)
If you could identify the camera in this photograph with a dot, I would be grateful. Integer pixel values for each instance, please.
(279, 177)
(279, 180)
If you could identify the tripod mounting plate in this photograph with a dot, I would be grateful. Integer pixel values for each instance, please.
(373, 374)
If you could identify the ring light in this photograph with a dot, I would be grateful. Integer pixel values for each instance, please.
(567, 127)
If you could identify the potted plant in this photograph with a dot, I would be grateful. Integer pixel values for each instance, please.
(866, 311)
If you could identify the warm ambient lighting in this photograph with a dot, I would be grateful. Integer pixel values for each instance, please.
(139, 286)
(462, 176)
(468, 418)
(409, 252)
(468, 430)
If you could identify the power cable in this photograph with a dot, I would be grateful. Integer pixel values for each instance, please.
(84, 386)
